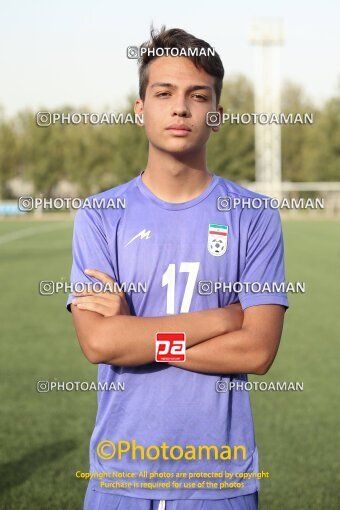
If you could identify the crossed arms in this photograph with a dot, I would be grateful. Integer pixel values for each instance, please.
(219, 340)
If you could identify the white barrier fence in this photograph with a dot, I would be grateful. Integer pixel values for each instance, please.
(326, 192)
(308, 199)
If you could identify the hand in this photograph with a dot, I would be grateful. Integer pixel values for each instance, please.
(107, 303)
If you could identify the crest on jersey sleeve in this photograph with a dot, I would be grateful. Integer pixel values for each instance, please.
(217, 239)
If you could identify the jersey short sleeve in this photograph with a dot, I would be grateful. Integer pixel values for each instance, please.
(263, 276)
(89, 249)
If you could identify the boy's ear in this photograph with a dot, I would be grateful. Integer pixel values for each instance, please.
(138, 109)
(219, 109)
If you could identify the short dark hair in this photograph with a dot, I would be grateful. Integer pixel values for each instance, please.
(178, 38)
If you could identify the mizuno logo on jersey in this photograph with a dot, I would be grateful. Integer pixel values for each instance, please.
(143, 234)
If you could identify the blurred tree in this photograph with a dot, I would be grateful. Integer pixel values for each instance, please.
(321, 152)
(9, 157)
(43, 152)
(294, 136)
(231, 151)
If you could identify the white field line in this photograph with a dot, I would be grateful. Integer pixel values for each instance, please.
(28, 232)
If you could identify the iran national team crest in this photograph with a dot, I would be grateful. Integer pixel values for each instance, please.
(217, 239)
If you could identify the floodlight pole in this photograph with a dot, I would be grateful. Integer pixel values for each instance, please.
(267, 36)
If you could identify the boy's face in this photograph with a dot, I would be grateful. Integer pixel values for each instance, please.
(177, 99)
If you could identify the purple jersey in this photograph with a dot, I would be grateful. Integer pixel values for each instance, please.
(170, 249)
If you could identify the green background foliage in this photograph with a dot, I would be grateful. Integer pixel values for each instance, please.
(98, 157)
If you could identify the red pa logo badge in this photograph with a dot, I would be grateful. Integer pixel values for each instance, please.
(170, 347)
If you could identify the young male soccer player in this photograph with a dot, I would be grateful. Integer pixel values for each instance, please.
(173, 236)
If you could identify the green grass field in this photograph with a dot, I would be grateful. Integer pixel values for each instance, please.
(45, 436)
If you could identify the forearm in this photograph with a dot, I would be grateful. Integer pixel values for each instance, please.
(128, 340)
(226, 354)
(251, 349)
(139, 336)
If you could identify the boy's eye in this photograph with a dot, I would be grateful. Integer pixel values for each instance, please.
(199, 96)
